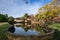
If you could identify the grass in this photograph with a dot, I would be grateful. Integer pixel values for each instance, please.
(2, 32)
(56, 26)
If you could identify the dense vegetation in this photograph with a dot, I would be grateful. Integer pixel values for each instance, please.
(3, 18)
(47, 13)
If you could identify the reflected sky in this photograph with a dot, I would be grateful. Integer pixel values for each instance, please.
(18, 8)
(21, 31)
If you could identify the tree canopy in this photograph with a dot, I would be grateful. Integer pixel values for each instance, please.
(3, 17)
(50, 11)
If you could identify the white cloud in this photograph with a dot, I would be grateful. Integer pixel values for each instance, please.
(17, 8)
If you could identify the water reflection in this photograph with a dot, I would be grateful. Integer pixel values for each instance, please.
(21, 31)
(11, 29)
(25, 29)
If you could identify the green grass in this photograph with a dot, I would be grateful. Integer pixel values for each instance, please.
(2, 32)
(56, 26)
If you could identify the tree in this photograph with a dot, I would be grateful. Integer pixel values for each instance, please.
(3, 18)
(11, 20)
(26, 15)
(49, 13)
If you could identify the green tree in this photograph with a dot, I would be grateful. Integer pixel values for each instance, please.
(3, 18)
(26, 15)
(11, 20)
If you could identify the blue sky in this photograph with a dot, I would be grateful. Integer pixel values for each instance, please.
(18, 8)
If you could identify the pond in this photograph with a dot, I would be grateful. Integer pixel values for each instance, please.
(28, 32)
(21, 31)
(24, 30)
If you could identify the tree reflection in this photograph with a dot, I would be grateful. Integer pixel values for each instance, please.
(26, 29)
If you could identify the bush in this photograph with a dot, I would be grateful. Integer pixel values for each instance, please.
(11, 20)
(3, 18)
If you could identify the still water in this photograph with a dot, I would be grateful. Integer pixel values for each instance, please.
(25, 30)
(21, 31)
